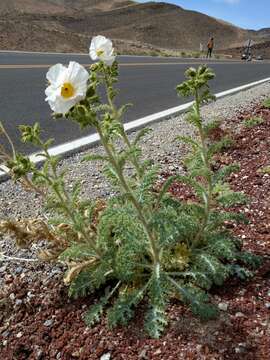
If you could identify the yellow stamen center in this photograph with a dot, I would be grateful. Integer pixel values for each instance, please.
(67, 90)
(100, 52)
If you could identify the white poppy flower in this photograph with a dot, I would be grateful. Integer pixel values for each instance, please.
(102, 49)
(67, 86)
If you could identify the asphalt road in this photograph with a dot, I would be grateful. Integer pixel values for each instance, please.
(148, 83)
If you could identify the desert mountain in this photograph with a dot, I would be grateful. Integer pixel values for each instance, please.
(52, 7)
(68, 25)
(15, 7)
(92, 5)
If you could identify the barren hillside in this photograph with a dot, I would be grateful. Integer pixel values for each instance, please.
(259, 49)
(68, 25)
(92, 5)
(13, 7)
(51, 7)
(160, 24)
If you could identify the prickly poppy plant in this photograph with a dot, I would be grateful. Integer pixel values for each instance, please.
(141, 244)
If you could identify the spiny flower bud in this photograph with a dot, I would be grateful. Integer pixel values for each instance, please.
(94, 67)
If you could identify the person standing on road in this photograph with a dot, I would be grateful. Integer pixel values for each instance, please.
(210, 47)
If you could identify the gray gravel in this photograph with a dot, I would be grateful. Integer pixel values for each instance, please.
(159, 145)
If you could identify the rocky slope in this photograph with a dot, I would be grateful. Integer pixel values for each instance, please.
(260, 49)
(67, 25)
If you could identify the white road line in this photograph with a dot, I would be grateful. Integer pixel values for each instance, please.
(91, 140)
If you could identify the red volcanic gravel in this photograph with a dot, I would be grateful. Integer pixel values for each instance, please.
(38, 320)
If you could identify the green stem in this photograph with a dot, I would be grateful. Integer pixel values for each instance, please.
(9, 140)
(66, 203)
(6, 157)
(208, 198)
(125, 138)
(32, 186)
(134, 160)
(128, 191)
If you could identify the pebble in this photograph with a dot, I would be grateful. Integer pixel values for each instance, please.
(18, 269)
(48, 323)
(19, 335)
(241, 348)
(223, 306)
(5, 333)
(30, 295)
(239, 314)
(3, 269)
(106, 356)
(267, 305)
(18, 302)
(143, 355)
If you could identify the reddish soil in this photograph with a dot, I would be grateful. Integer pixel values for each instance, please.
(46, 324)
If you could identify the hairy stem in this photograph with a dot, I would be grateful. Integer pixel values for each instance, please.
(125, 138)
(66, 203)
(8, 139)
(208, 197)
(6, 157)
(129, 192)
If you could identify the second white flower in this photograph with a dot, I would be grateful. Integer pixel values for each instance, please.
(102, 49)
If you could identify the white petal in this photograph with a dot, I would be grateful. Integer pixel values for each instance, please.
(81, 90)
(107, 46)
(51, 93)
(55, 72)
(112, 52)
(108, 60)
(61, 105)
(93, 54)
(77, 73)
(98, 41)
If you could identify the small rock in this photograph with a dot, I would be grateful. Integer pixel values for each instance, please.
(267, 305)
(241, 348)
(30, 295)
(18, 302)
(39, 353)
(19, 335)
(18, 270)
(76, 354)
(143, 355)
(158, 352)
(3, 269)
(5, 334)
(239, 314)
(48, 323)
(106, 356)
(223, 306)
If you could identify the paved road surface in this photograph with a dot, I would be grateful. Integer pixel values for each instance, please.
(149, 83)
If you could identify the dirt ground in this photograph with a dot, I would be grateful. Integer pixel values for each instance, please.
(38, 321)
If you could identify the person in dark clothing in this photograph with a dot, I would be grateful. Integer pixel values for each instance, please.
(210, 47)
